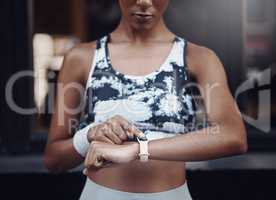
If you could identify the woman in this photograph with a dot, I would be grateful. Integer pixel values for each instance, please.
(136, 86)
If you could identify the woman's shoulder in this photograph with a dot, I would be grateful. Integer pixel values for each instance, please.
(201, 59)
(199, 53)
(80, 51)
(83, 53)
(77, 61)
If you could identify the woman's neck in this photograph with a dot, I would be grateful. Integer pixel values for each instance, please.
(125, 33)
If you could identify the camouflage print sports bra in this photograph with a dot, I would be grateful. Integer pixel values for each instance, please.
(156, 103)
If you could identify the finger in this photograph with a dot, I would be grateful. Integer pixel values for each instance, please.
(137, 132)
(85, 170)
(132, 130)
(130, 134)
(120, 132)
(108, 164)
(107, 132)
(116, 128)
(99, 161)
(101, 137)
(129, 130)
(112, 136)
(125, 125)
(105, 139)
(93, 162)
(90, 158)
(87, 156)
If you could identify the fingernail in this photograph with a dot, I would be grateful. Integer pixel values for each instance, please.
(130, 135)
(84, 171)
(142, 134)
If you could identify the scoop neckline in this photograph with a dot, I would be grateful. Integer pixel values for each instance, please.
(135, 77)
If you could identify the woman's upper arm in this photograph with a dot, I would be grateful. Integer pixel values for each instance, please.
(212, 81)
(70, 88)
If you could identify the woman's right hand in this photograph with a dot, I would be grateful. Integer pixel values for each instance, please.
(115, 130)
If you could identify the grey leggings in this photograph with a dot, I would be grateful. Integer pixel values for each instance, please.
(94, 191)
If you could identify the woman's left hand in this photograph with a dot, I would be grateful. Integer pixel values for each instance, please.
(102, 154)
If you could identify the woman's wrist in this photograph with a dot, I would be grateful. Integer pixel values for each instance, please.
(136, 150)
(83, 138)
(80, 142)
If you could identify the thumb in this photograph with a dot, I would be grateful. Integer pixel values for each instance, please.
(99, 160)
(138, 132)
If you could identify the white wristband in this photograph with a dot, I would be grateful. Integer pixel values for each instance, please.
(144, 153)
(80, 140)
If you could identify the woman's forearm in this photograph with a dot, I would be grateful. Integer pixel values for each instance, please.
(61, 156)
(197, 146)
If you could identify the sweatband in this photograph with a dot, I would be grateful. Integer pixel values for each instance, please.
(80, 140)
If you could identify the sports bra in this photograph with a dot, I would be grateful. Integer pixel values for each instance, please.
(157, 103)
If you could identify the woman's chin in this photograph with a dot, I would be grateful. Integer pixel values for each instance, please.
(143, 26)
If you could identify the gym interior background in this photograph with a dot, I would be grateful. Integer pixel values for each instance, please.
(35, 34)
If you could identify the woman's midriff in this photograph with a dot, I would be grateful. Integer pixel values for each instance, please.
(151, 176)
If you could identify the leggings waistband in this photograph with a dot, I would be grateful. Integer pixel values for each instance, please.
(95, 191)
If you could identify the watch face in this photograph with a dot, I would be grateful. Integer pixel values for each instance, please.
(143, 138)
(136, 139)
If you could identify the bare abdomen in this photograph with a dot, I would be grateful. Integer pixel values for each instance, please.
(152, 176)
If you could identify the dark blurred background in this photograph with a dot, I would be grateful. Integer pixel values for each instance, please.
(35, 35)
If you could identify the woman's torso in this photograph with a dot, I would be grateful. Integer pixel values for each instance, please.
(161, 105)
